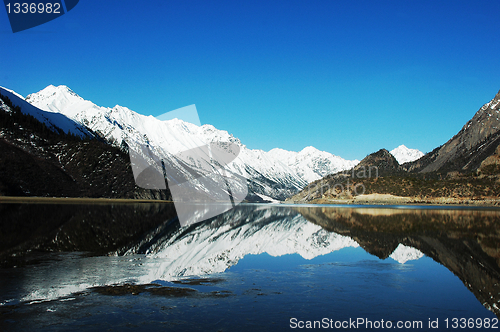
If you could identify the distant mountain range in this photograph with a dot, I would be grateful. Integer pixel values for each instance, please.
(268, 174)
(273, 175)
(465, 168)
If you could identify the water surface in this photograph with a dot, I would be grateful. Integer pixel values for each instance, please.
(266, 267)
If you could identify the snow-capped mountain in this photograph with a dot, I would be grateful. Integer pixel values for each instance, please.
(266, 172)
(53, 120)
(404, 154)
(312, 164)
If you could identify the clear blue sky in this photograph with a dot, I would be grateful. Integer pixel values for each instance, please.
(348, 77)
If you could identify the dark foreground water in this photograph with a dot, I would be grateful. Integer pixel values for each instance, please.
(256, 267)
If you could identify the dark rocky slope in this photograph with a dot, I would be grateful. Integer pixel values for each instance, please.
(478, 139)
(38, 161)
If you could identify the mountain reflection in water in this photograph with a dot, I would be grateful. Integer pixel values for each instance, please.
(145, 244)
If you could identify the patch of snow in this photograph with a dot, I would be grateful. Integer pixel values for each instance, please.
(403, 253)
(404, 154)
(267, 198)
(312, 164)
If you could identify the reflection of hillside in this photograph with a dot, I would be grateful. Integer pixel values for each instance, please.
(467, 242)
(95, 228)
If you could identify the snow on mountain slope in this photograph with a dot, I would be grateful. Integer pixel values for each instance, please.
(404, 155)
(55, 121)
(312, 164)
(266, 173)
(60, 99)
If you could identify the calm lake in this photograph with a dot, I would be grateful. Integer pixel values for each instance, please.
(115, 267)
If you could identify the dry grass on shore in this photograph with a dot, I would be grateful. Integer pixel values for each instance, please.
(387, 199)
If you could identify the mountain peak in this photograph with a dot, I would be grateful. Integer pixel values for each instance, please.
(404, 154)
(309, 150)
(53, 120)
(52, 89)
(277, 150)
(52, 92)
(59, 99)
(383, 160)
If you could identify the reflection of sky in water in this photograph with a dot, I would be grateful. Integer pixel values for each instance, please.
(351, 283)
(345, 283)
